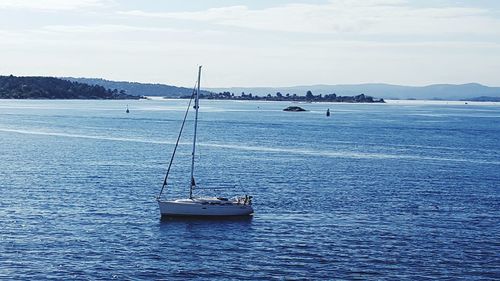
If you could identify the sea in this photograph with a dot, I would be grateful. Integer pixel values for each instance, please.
(407, 190)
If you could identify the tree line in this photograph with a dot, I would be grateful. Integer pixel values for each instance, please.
(309, 97)
(34, 87)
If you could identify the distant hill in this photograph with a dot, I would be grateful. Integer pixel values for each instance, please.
(483, 98)
(386, 91)
(138, 89)
(34, 87)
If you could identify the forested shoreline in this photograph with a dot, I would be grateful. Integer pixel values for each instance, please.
(36, 87)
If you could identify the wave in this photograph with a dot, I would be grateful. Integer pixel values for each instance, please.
(296, 151)
(96, 137)
(347, 154)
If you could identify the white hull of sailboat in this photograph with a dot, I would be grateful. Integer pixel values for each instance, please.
(190, 207)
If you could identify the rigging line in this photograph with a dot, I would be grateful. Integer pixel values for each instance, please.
(177, 142)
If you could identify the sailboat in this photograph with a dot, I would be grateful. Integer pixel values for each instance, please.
(200, 206)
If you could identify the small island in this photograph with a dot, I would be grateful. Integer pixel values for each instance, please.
(34, 87)
(309, 97)
(294, 109)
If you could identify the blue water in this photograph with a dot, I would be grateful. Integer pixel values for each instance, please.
(383, 192)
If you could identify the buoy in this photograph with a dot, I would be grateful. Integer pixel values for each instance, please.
(127, 111)
(328, 112)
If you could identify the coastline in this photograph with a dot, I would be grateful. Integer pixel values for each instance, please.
(440, 102)
(401, 102)
(387, 102)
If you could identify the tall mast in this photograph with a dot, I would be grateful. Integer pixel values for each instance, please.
(196, 106)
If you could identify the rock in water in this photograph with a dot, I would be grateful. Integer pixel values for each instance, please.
(294, 108)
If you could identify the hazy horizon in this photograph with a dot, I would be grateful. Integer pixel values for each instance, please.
(276, 43)
(259, 86)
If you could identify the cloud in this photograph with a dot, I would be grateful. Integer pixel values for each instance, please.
(346, 41)
(53, 4)
(344, 17)
(105, 28)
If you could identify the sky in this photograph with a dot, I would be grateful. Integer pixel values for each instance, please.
(254, 43)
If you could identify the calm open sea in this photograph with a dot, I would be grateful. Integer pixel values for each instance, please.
(376, 191)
